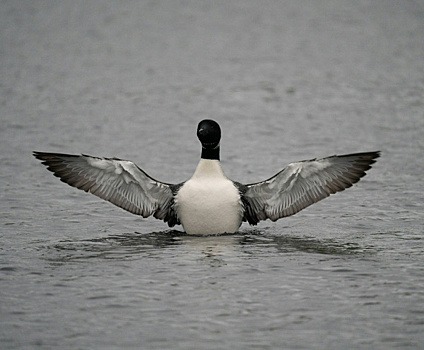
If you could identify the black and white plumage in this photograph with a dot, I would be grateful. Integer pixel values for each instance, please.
(209, 203)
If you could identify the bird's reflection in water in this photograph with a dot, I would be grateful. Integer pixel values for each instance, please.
(289, 244)
(125, 246)
(214, 249)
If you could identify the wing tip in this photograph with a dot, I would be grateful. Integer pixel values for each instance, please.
(52, 155)
(372, 155)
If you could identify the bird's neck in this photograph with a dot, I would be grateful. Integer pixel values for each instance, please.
(208, 153)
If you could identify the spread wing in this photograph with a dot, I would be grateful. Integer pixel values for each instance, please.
(120, 182)
(303, 183)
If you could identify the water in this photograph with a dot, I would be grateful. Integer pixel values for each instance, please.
(287, 81)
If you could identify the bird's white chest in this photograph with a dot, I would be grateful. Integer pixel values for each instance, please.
(209, 203)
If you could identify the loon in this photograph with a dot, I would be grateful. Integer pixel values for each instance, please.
(209, 203)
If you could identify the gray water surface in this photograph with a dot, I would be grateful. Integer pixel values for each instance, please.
(287, 80)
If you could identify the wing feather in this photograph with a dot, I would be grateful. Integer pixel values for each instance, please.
(118, 181)
(303, 183)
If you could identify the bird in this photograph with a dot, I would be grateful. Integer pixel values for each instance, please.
(209, 203)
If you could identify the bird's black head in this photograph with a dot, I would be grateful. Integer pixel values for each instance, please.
(209, 134)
